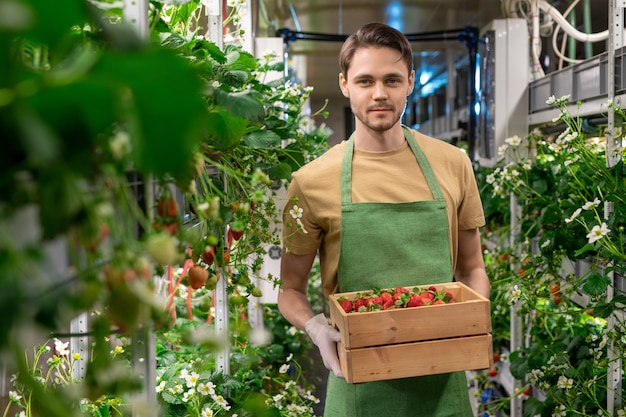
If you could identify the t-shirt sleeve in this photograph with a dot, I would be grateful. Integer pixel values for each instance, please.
(470, 213)
(301, 233)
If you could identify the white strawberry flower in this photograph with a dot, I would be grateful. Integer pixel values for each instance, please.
(598, 232)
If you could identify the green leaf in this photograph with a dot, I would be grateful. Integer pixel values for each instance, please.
(587, 248)
(552, 215)
(603, 310)
(174, 40)
(60, 197)
(519, 367)
(262, 139)
(169, 398)
(293, 157)
(532, 407)
(54, 19)
(224, 130)
(596, 284)
(281, 171)
(244, 61)
(619, 299)
(245, 104)
(161, 92)
(540, 185)
(213, 51)
(234, 78)
(68, 118)
(174, 2)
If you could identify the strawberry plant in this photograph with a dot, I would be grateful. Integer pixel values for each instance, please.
(570, 211)
(102, 128)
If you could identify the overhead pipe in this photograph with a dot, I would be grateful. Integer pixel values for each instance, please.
(569, 29)
(467, 34)
(587, 26)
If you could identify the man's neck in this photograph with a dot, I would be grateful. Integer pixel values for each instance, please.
(373, 141)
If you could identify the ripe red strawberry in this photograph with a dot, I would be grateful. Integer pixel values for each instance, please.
(171, 228)
(400, 289)
(555, 290)
(415, 301)
(374, 300)
(197, 276)
(209, 254)
(345, 304)
(426, 298)
(226, 258)
(166, 207)
(400, 295)
(386, 297)
(528, 391)
(389, 304)
(432, 288)
(358, 303)
(428, 294)
(437, 302)
(493, 372)
(235, 234)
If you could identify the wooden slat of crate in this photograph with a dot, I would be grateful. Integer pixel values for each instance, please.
(416, 359)
(470, 314)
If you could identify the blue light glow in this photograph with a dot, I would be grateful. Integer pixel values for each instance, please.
(394, 13)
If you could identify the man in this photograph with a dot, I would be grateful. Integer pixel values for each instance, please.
(387, 207)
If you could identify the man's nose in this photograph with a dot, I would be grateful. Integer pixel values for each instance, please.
(380, 92)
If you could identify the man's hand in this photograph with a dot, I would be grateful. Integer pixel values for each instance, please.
(325, 337)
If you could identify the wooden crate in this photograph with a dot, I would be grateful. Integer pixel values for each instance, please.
(415, 359)
(469, 315)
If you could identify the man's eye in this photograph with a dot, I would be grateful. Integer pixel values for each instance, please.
(393, 81)
(364, 82)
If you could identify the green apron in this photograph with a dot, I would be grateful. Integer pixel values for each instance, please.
(384, 245)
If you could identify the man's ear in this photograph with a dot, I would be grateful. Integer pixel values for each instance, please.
(343, 85)
(411, 82)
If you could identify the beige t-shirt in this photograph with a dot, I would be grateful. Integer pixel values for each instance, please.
(391, 176)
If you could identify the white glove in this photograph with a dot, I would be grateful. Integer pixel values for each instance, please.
(325, 337)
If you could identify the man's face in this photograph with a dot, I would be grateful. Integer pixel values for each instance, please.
(377, 84)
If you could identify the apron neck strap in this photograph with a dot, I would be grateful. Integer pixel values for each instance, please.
(346, 168)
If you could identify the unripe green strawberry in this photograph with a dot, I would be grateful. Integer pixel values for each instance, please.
(237, 300)
(211, 283)
(163, 249)
(214, 207)
(199, 164)
(256, 292)
(142, 267)
(211, 239)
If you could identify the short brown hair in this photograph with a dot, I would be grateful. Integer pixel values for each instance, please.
(377, 35)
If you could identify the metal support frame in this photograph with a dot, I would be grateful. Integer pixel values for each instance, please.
(215, 33)
(613, 155)
(515, 320)
(136, 16)
(79, 343)
(143, 342)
